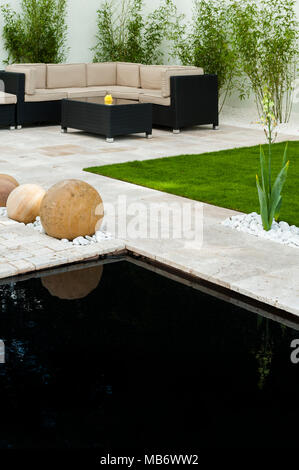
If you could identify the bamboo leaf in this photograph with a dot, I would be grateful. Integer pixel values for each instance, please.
(276, 191)
(278, 209)
(265, 176)
(285, 154)
(263, 205)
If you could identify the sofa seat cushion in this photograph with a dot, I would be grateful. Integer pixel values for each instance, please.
(149, 91)
(77, 92)
(66, 75)
(45, 95)
(86, 92)
(100, 74)
(30, 77)
(7, 98)
(41, 73)
(125, 92)
(128, 74)
(154, 99)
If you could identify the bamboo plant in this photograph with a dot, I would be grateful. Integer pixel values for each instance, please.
(270, 195)
(36, 33)
(266, 38)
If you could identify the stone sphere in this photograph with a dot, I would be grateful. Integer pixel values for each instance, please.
(7, 185)
(23, 203)
(73, 285)
(9, 178)
(71, 209)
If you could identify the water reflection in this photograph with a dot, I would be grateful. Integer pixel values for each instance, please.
(264, 349)
(73, 285)
(142, 359)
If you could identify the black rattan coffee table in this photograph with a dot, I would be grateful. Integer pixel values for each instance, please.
(93, 115)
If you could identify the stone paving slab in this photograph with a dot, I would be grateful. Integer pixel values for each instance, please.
(23, 249)
(259, 269)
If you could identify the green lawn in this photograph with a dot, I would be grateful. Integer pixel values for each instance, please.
(225, 178)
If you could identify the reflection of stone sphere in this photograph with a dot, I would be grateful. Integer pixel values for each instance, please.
(7, 185)
(23, 203)
(73, 285)
(70, 209)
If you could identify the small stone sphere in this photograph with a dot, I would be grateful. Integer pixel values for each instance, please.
(73, 285)
(7, 185)
(23, 203)
(70, 209)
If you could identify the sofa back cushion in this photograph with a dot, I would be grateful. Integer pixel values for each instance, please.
(101, 74)
(30, 77)
(41, 73)
(151, 76)
(128, 74)
(66, 75)
(171, 72)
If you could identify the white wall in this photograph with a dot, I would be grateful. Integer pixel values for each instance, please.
(81, 20)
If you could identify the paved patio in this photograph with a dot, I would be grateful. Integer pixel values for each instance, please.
(262, 270)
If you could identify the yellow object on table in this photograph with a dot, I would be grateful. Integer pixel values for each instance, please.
(108, 99)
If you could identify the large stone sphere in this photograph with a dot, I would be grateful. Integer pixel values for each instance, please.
(73, 285)
(7, 185)
(23, 203)
(71, 209)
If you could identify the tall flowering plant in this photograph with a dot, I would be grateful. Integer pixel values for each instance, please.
(270, 195)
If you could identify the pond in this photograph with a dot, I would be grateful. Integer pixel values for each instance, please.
(117, 355)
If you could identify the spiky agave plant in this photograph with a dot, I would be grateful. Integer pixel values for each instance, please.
(270, 195)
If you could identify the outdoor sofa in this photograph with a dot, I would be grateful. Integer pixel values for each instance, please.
(7, 109)
(181, 96)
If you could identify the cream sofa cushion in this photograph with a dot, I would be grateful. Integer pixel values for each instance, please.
(30, 77)
(100, 74)
(41, 73)
(157, 77)
(148, 91)
(86, 92)
(124, 92)
(78, 92)
(7, 98)
(171, 72)
(45, 95)
(154, 98)
(128, 74)
(151, 76)
(66, 75)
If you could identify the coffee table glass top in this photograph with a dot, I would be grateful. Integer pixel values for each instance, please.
(100, 100)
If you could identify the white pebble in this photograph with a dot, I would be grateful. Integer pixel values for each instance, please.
(80, 241)
(284, 226)
(251, 223)
(99, 236)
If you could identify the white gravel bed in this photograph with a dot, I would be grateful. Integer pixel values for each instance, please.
(88, 240)
(280, 232)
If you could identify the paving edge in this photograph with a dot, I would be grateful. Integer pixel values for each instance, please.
(127, 250)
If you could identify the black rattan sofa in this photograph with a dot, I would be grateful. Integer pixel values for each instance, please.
(7, 105)
(191, 99)
(27, 113)
(194, 101)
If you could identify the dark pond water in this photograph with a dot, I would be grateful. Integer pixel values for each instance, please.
(141, 362)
